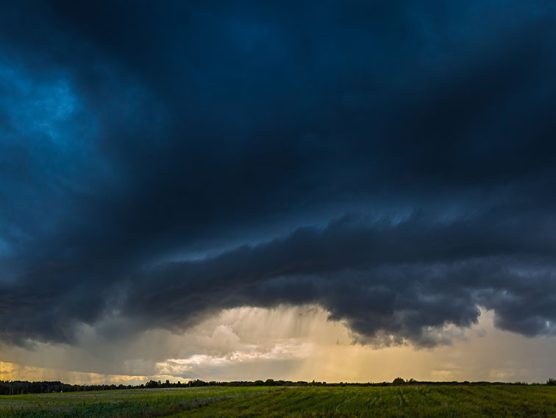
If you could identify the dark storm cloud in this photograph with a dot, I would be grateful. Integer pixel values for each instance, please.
(136, 134)
(403, 279)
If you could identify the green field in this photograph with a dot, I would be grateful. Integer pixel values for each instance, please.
(341, 401)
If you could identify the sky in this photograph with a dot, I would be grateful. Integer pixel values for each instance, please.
(334, 190)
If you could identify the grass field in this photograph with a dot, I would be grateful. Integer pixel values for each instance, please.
(342, 401)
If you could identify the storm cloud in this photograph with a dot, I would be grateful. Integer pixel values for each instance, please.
(392, 162)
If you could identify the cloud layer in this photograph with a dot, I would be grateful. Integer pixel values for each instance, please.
(392, 163)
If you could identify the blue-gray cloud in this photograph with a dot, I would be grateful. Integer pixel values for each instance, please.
(136, 137)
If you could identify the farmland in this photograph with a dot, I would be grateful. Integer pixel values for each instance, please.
(332, 401)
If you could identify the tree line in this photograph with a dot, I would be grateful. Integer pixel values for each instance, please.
(22, 387)
(19, 387)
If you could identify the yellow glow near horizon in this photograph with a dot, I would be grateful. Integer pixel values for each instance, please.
(292, 343)
(13, 371)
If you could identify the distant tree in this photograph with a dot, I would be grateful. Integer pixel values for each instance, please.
(398, 381)
(152, 384)
(551, 382)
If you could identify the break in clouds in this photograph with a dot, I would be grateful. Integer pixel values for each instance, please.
(392, 162)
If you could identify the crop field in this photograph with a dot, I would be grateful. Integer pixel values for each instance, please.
(331, 401)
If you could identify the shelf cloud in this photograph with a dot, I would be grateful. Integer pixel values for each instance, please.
(391, 162)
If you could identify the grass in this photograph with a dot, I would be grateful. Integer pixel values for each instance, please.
(331, 401)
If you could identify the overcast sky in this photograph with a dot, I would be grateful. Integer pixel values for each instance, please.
(252, 189)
